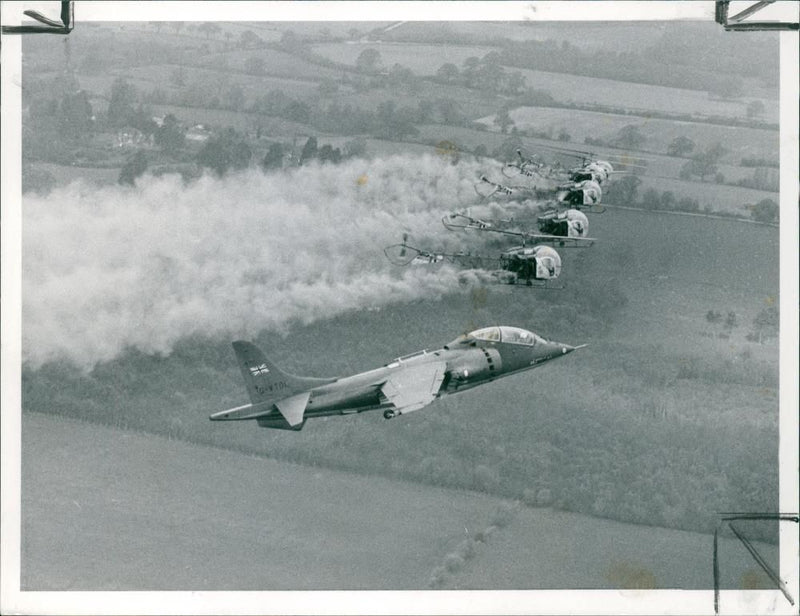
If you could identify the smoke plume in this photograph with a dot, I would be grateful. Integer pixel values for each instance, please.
(107, 268)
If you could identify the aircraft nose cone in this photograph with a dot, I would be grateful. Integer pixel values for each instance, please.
(566, 348)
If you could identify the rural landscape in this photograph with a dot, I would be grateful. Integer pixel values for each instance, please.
(188, 184)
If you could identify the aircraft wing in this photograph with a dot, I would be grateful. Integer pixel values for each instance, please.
(410, 388)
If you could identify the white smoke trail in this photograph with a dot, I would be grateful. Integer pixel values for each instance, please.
(109, 268)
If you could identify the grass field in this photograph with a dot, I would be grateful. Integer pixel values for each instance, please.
(739, 141)
(640, 97)
(721, 198)
(253, 85)
(114, 510)
(276, 63)
(64, 174)
(546, 549)
(420, 58)
(241, 121)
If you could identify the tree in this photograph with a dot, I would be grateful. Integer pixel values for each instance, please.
(226, 151)
(765, 324)
(76, 114)
(355, 148)
(630, 137)
(327, 153)
(209, 28)
(687, 204)
(703, 163)
(249, 40)
(450, 111)
(448, 73)
(170, 136)
(120, 106)
(470, 70)
(273, 158)
(403, 77)
(309, 150)
(625, 189)
(508, 149)
(503, 120)
(651, 199)
(393, 122)
(668, 200)
(765, 210)
(368, 60)
(142, 120)
(680, 146)
(515, 83)
(133, 168)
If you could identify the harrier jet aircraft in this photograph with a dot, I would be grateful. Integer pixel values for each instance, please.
(280, 400)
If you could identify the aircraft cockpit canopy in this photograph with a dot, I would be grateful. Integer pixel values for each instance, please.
(506, 334)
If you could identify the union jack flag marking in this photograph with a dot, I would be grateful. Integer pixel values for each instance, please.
(256, 370)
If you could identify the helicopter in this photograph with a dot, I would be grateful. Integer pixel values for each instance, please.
(583, 194)
(531, 167)
(570, 227)
(590, 167)
(533, 266)
(486, 188)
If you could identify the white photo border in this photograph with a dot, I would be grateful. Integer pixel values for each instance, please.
(13, 600)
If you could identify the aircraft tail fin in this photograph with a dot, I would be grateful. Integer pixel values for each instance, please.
(264, 380)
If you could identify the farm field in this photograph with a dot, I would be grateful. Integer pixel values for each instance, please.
(253, 85)
(113, 510)
(633, 556)
(586, 35)
(240, 120)
(64, 174)
(739, 141)
(276, 63)
(420, 58)
(661, 173)
(720, 197)
(640, 97)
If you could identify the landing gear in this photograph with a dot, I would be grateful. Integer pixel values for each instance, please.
(389, 414)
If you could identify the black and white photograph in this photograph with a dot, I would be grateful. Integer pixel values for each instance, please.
(495, 302)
